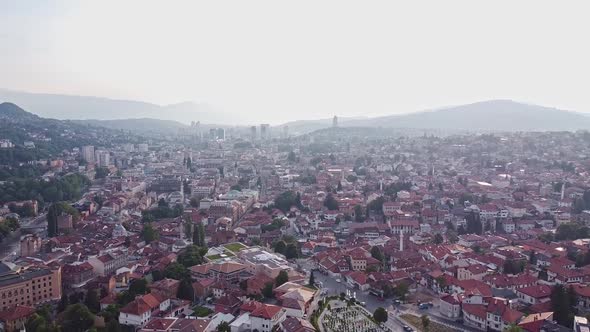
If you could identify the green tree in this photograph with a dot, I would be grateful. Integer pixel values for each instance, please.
(380, 315)
(176, 271)
(113, 326)
(190, 256)
(513, 328)
(138, 286)
(438, 239)
(185, 290)
(280, 247)
(425, 322)
(101, 173)
(77, 318)
(441, 282)
(199, 235)
(358, 213)
(401, 290)
(63, 303)
(282, 278)
(331, 203)
(267, 290)
(562, 303)
(291, 251)
(376, 253)
(223, 327)
(187, 228)
(285, 201)
(157, 275)
(148, 233)
(92, 301)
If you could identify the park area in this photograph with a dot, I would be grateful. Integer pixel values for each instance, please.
(234, 247)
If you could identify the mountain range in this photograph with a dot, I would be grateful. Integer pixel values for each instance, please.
(49, 136)
(68, 107)
(486, 116)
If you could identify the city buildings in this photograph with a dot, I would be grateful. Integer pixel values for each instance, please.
(29, 287)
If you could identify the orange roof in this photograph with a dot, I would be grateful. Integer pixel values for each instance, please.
(17, 312)
(266, 311)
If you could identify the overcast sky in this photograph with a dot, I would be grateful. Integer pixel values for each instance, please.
(281, 60)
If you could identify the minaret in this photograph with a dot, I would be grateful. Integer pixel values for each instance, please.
(182, 190)
(401, 240)
(562, 190)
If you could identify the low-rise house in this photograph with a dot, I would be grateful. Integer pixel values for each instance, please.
(534, 294)
(14, 319)
(292, 324)
(450, 306)
(139, 311)
(108, 263)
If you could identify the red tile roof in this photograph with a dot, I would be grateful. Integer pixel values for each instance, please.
(266, 311)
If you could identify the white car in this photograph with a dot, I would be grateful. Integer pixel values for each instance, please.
(338, 280)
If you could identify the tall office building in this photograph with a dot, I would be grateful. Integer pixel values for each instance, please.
(88, 153)
(335, 121)
(142, 147)
(253, 133)
(103, 158)
(220, 133)
(264, 131)
(286, 132)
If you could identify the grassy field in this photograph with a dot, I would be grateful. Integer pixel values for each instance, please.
(416, 322)
(235, 247)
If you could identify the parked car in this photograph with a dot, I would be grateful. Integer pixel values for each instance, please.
(423, 306)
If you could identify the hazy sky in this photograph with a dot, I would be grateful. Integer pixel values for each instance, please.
(282, 60)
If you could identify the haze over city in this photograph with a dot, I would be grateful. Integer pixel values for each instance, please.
(278, 61)
(302, 166)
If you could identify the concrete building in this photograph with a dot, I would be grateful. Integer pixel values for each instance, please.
(108, 263)
(253, 134)
(88, 153)
(143, 147)
(30, 244)
(264, 131)
(30, 287)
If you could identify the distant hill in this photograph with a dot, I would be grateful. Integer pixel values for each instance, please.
(49, 136)
(83, 108)
(493, 115)
(12, 112)
(144, 125)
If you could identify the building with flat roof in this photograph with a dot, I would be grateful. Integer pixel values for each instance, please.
(259, 261)
(29, 287)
